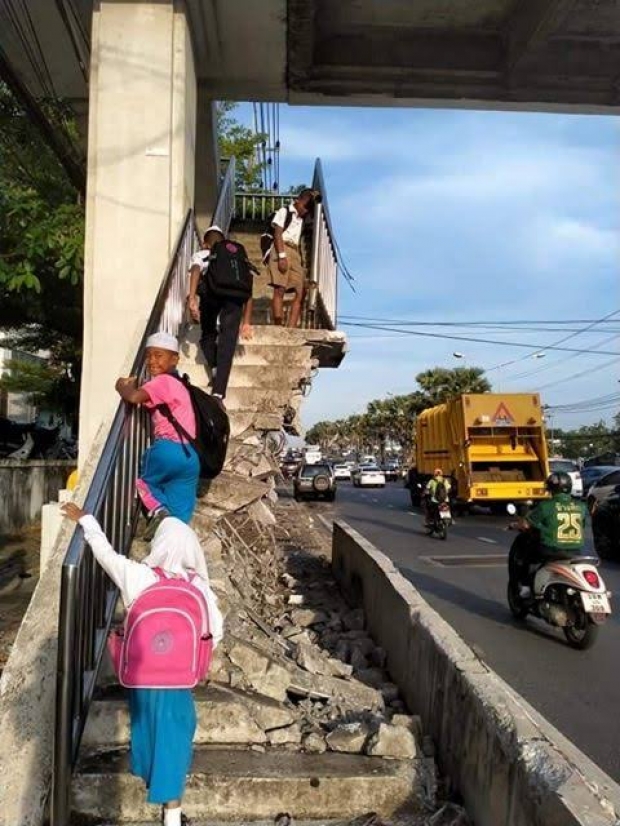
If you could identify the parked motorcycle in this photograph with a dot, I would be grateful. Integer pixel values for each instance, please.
(568, 594)
(439, 519)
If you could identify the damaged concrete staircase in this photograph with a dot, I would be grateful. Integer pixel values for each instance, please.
(255, 756)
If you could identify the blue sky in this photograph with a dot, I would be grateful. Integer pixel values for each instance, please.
(453, 216)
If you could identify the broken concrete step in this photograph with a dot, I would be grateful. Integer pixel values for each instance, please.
(230, 785)
(224, 717)
(229, 492)
(244, 421)
(256, 398)
(260, 376)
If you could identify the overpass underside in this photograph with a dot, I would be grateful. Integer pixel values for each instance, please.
(521, 54)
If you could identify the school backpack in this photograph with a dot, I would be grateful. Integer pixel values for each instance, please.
(229, 273)
(441, 493)
(212, 429)
(166, 640)
(266, 239)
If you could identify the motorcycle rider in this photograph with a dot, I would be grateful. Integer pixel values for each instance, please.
(554, 529)
(433, 497)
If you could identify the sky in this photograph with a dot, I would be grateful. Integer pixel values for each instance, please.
(447, 216)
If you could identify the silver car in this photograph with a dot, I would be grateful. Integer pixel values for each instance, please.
(604, 487)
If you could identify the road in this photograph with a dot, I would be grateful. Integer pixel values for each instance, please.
(577, 691)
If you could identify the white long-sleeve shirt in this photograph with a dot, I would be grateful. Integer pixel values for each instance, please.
(133, 577)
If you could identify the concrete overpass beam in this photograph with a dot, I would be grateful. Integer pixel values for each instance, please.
(141, 177)
(529, 26)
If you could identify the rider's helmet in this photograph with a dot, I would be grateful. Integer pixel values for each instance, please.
(559, 483)
(438, 472)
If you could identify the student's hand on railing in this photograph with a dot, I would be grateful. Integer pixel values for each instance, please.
(247, 331)
(72, 512)
(123, 383)
(194, 308)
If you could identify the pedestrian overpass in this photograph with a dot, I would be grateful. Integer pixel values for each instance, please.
(142, 78)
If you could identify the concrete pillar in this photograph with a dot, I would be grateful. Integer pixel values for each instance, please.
(141, 151)
(207, 160)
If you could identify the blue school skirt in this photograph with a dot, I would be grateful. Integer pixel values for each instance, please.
(163, 722)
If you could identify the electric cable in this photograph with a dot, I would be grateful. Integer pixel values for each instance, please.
(535, 347)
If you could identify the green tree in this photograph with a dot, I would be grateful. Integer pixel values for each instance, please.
(242, 143)
(440, 384)
(41, 261)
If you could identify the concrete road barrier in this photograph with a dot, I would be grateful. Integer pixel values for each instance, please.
(512, 767)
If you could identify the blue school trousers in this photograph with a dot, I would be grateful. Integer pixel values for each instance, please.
(169, 477)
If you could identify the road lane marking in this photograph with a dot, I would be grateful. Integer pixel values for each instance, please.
(486, 539)
(466, 560)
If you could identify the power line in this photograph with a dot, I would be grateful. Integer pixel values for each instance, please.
(578, 375)
(535, 347)
(555, 364)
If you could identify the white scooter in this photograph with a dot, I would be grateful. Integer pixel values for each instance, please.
(568, 594)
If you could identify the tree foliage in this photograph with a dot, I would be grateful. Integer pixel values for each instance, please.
(392, 420)
(41, 262)
(243, 143)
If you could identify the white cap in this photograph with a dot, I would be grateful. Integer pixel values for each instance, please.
(163, 340)
(214, 228)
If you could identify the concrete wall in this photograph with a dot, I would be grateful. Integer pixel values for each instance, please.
(25, 486)
(511, 766)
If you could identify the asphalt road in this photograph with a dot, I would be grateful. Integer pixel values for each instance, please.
(577, 691)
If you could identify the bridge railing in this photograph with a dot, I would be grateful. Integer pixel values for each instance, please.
(88, 597)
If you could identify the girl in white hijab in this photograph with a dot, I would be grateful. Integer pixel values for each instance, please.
(163, 720)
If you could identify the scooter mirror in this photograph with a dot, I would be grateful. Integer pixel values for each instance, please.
(511, 509)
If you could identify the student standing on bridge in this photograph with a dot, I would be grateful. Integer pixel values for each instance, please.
(168, 481)
(163, 720)
(218, 346)
(286, 270)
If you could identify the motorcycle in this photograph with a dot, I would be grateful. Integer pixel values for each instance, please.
(569, 594)
(439, 518)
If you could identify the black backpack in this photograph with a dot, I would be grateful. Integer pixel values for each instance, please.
(212, 429)
(266, 239)
(441, 494)
(229, 273)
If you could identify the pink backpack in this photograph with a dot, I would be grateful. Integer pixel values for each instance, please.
(165, 641)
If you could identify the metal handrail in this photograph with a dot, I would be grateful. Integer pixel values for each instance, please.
(258, 206)
(87, 596)
(225, 206)
(324, 262)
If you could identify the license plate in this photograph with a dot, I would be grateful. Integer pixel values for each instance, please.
(595, 603)
(445, 514)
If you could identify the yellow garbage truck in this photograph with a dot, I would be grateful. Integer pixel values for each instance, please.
(491, 445)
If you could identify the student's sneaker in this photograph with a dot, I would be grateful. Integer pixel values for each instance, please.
(154, 520)
(219, 399)
(185, 821)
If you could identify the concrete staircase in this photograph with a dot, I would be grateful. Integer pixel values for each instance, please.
(241, 770)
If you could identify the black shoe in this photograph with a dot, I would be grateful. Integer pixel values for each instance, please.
(220, 401)
(153, 522)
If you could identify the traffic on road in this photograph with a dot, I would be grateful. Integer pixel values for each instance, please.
(465, 579)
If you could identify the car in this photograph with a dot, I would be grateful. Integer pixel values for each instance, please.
(314, 481)
(368, 476)
(590, 475)
(567, 466)
(342, 472)
(391, 471)
(606, 526)
(603, 488)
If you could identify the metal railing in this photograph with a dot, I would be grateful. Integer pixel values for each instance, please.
(225, 207)
(258, 206)
(324, 261)
(87, 596)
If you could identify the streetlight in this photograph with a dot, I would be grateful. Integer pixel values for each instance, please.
(458, 355)
(539, 355)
